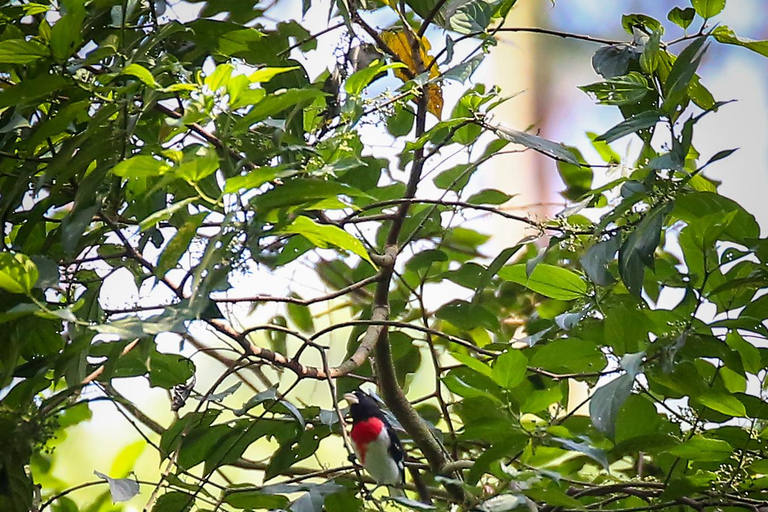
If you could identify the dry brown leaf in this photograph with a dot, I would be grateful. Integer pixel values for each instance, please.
(399, 42)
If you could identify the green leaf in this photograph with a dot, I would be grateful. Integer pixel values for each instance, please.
(300, 315)
(548, 280)
(400, 122)
(140, 166)
(256, 500)
(642, 22)
(608, 400)
(681, 17)
(464, 70)
(723, 403)
(467, 316)
(169, 370)
(19, 51)
(620, 90)
(512, 444)
(67, 34)
(174, 501)
(327, 236)
(359, 80)
(255, 178)
(695, 206)
(179, 243)
(473, 16)
(641, 121)
(586, 448)
(509, 369)
(553, 496)
(613, 61)
(266, 74)
(18, 273)
(703, 449)
(539, 144)
(198, 166)
(303, 191)
(639, 247)
(471, 362)
(461, 387)
(726, 35)
(489, 196)
(165, 213)
(636, 418)
(683, 71)
(31, 90)
(569, 355)
(708, 8)
(596, 259)
(278, 102)
(74, 225)
(142, 73)
(577, 178)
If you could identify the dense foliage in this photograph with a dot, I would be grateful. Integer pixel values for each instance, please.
(185, 157)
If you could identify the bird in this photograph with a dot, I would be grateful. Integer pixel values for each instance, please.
(375, 442)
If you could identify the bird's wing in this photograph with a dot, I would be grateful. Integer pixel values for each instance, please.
(396, 451)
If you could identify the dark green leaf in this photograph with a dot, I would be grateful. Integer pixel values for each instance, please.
(681, 17)
(473, 16)
(256, 500)
(596, 259)
(586, 448)
(620, 90)
(19, 51)
(513, 443)
(489, 196)
(613, 61)
(644, 23)
(641, 121)
(683, 71)
(169, 370)
(608, 400)
(536, 143)
(569, 355)
(174, 501)
(577, 178)
(467, 316)
(638, 249)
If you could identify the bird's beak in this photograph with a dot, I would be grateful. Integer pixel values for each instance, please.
(350, 398)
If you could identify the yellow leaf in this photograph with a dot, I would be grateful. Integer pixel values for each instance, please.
(400, 44)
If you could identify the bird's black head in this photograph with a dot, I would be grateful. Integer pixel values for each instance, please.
(363, 406)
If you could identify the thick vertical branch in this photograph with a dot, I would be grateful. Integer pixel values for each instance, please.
(391, 392)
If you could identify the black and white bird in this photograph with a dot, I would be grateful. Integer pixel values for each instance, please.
(376, 444)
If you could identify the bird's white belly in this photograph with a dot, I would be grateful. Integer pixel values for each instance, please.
(379, 463)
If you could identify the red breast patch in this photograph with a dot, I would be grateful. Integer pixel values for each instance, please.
(364, 432)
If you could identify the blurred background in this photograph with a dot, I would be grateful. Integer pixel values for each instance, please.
(546, 71)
